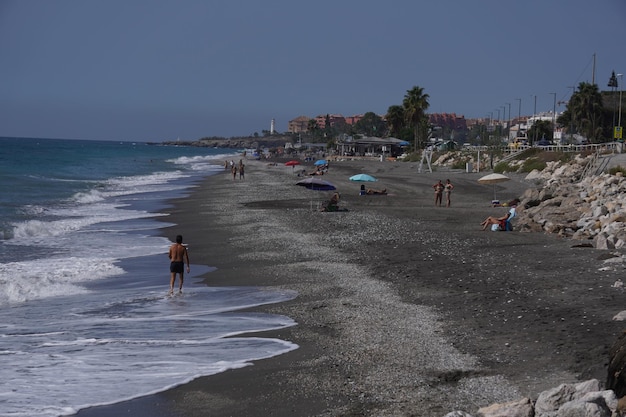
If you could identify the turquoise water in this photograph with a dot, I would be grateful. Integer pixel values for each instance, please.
(84, 316)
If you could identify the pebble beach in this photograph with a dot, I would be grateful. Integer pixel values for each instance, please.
(403, 308)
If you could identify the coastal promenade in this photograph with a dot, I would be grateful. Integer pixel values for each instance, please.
(404, 308)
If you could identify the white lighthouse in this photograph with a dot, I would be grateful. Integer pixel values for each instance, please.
(272, 130)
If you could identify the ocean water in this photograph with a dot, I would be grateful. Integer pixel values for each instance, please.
(84, 314)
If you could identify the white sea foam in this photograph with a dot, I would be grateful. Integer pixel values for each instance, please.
(77, 330)
(71, 219)
(42, 278)
(203, 163)
(92, 353)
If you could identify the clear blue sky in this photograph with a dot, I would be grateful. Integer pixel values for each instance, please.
(163, 69)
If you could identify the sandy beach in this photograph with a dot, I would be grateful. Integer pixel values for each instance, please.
(404, 308)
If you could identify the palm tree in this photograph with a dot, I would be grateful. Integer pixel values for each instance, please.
(395, 120)
(585, 112)
(415, 104)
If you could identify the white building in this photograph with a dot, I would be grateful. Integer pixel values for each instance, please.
(523, 128)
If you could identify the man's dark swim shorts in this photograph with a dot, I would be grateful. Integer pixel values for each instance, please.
(177, 267)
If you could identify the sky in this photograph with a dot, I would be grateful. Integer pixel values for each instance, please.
(156, 70)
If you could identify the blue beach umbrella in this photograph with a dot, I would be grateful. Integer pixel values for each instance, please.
(320, 162)
(363, 178)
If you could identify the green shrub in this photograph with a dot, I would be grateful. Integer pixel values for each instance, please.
(532, 164)
(460, 164)
(617, 169)
(502, 167)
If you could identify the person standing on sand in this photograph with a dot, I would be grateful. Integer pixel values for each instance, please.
(448, 190)
(241, 173)
(233, 170)
(178, 256)
(438, 192)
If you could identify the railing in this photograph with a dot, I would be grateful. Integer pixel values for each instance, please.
(595, 147)
(590, 166)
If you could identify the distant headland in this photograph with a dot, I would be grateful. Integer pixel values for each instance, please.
(246, 142)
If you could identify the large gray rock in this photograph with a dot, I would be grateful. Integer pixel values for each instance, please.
(549, 402)
(581, 210)
(521, 408)
(616, 372)
(593, 404)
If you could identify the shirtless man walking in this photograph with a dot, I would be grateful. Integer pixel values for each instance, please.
(178, 256)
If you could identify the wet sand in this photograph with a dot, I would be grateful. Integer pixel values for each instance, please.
(404, 308)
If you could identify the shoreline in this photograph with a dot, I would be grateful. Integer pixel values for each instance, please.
(403, 308)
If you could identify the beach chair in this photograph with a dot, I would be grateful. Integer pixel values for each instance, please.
(505, 225)
(508, 227)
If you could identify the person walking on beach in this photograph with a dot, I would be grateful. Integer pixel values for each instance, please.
(241, 172)
(438, 192)
(178, 256)
(448, 190)
(233, 170)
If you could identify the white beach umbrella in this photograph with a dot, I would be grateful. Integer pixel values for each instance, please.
(493, 179)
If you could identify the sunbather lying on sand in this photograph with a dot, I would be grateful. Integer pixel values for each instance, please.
(372, 191)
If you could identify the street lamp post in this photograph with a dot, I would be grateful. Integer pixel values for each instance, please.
(554, 116)
(613, 84)
(508, 124)
(621, 87)
(519, 117)
(497, 127)
(490, 127)
(534, 121)
(571, 115)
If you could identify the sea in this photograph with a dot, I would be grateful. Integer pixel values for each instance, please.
(85, 318)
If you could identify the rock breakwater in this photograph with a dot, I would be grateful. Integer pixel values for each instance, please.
(591, 209)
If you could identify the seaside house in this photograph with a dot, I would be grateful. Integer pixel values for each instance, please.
(370, 146)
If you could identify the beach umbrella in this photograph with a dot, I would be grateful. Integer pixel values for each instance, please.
(292, 164)
(493, 179)
(320, 162)
(363, 178)
(318, 184)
